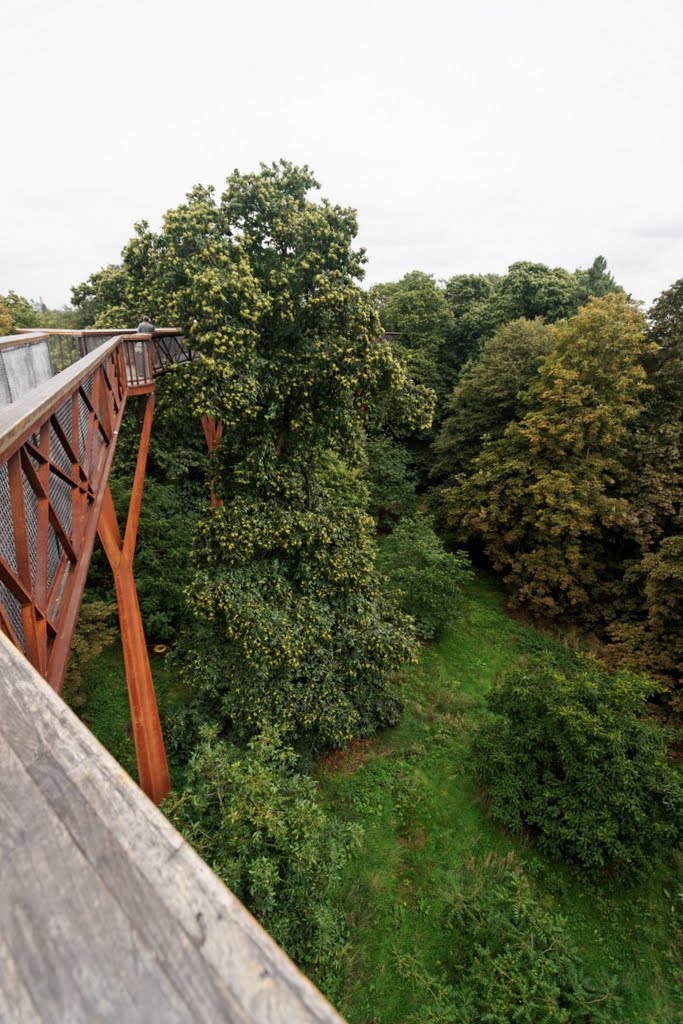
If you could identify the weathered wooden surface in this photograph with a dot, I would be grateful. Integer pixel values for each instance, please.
(24, 338)
(106, 914)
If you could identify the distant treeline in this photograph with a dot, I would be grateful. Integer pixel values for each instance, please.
(17, 311)
(556, 447)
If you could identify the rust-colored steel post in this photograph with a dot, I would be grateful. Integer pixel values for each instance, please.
(149, 742)
(213, 432)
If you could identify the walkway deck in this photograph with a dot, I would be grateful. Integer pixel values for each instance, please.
(106, 913)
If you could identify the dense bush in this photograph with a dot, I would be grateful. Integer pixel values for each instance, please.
(162, 564)
(511, 960)
(390, 481)
(542, 498)
(426, 581)
(572, 760)
(255, 820)
(95, 630)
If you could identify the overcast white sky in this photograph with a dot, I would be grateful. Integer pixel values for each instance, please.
(468, 135)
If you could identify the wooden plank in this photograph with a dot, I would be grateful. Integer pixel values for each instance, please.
(90, 861)
(46, 920)
(17, 340)
(15, 998)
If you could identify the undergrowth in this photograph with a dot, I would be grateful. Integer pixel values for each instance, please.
(430, 847)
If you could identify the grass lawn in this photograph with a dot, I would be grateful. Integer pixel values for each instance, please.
(424, 826)
(107, 712)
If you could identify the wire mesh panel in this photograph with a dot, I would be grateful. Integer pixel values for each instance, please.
(5, 393)
(31, 521)
(53, 479)
(19, 369)
(7, 551)
(23, 368)
(42, 361)
(51, 483)
(8, 601)
(64, 350)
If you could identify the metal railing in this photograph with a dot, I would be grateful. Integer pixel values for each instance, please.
(56, 448)
(153, 931)
(37, 355)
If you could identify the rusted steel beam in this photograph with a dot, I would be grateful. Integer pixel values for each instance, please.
(149, 742)
(57, 444)
(85, 515)
(138, 482)
(213, 432)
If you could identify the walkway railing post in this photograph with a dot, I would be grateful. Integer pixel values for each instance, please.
(149, 743)
(213, 432)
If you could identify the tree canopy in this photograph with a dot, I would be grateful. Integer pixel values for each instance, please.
(542, 497)
(291, 621)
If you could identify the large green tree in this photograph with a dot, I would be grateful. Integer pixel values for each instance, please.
(489, 394)
(21, 310)
(655, 487)
(416, 309)
(482, 303)
(291, 624)
(545, 497)
(110, 297)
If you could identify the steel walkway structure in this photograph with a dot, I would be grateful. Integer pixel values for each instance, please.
(57, 443)
(106, 913)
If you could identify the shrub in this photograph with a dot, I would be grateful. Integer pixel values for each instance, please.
(426, 581)
(95, 630)
(572, 760)
(511, 960)
(256, 822)
(391, 482)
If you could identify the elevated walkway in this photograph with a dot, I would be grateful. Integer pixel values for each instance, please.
(106, 914)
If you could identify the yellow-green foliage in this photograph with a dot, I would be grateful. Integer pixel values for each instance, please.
(6, 321)
(256, 820)
(544, 497)
(290, 621)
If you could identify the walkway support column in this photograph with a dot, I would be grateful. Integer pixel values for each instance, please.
(213, 432)
(149, 742)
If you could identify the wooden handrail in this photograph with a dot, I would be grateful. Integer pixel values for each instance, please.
(89, 332)
(16, 418)
(23, 338)
(106, 913)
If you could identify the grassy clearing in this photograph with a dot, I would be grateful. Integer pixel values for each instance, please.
(411, 791)
(107, 712)
(424, 824)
